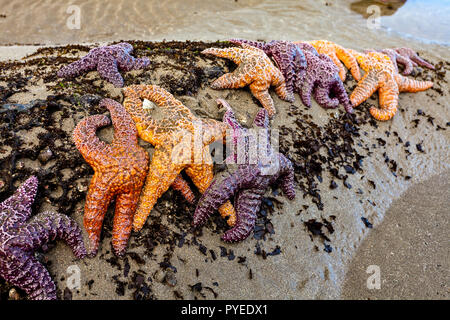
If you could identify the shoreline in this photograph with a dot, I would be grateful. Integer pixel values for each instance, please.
(321, 274)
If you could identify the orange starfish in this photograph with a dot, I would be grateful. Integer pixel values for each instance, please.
(381, 74)
(119, 171)
(337, 53)
(181, 142)
(254, 69)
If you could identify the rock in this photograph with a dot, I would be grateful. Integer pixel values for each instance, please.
(170, 278)
(159, 276)
(13, 294)
(45, 155)
(213, 72)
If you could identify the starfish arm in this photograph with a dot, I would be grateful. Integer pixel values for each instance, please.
(388, 98)
(422, 62)
(85, 64)
(87, 142)
(300, 66)
(145, 125)
(261, 92)
(30, 275)
(215, 196)
(97, 202)
(162, 173)
(414, 57)
(124, 128)
(232, 80)
(212, 131)
(125, 46)
(229, 118)
(287, 177)
(306, 88)
(164, 99)
(338, 63)
(306, 47)
(367, 86)
(181, 185)
(108, 69)
(258, 44)
(406, 84)
(391, 54)
(233, 54)
(349, 61)
(48, 226)
(202, 176)
(126, 204)
(280, 87)
(126, 62)
(248, 203)
(19, 204)
(322, 96)
(340, 93)
(261, 119)
(408, 66)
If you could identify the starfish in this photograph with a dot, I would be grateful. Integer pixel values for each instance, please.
(406, 57)
(337, 53)
(119, 172)
(322, 77)
(381, 74)
(257, 167)
(254, 69)
(108, 60)
(21, 237)
(181, 143)
(287, 56)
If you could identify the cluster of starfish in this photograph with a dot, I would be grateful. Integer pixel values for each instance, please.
(317, 67)
(124, 172)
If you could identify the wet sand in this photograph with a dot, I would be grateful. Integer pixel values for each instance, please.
(411, 247)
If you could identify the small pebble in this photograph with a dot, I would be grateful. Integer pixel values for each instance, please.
(170, 278)
(13, 294)
(45, 155)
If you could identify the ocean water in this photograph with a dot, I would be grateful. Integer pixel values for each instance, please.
(62, 22)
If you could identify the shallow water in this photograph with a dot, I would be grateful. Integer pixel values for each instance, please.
(55, 22)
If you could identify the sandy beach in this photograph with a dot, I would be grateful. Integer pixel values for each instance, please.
(389, 207)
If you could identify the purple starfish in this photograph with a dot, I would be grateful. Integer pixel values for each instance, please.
(108, 60)
(253, 175)
(406, 57)
(287, 56)
(322, 77)
(19, 239)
